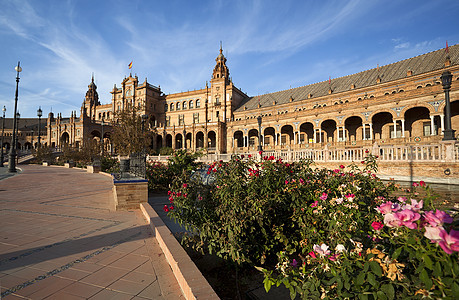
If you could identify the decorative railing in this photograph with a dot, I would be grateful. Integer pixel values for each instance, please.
(427, 152)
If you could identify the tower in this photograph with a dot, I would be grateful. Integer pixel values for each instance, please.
(91, 100)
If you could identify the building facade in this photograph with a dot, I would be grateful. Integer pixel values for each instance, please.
(399, 103)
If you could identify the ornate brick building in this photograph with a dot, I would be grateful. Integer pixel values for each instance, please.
(399, 103)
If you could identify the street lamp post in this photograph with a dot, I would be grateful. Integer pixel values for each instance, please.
(3, 133)
(39, 114)
(102, 139)
(448, 132)
(12, 156)
(260, 148)
(144, 119)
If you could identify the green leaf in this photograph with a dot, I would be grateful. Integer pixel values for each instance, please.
(388, 289)
(268, 284)
(425, 279)
(347, 285)
(363, 296)
(375, 268)
(360, 278)
(397, 252)
(437, 269)
(381, 295)
(427, 261)
(372, 279)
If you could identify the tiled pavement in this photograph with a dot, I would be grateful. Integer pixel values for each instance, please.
(58, 240)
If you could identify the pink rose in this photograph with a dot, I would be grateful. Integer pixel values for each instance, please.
(391, 221)
(422, 183)
(185, 185)
(437, 218)
(385, 208)
(314, 204)
(407, 218)
(449, 242)
(377, 225)
(322, 250)
(324, 196)
(414, 206)
(433, 233)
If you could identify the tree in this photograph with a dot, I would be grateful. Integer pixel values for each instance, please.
(130, 133)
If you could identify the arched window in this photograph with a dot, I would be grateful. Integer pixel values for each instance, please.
(177, 106)
(191, 104)
(172, 107)
(198, 103)
(184, 105)
(108, 115)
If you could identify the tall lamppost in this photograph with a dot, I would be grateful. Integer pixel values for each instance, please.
(260, 148)
(18, 116)
(39, 114)
(102, 139)
(448, 132)
(144, 119)
(12, 156)
(3, 133)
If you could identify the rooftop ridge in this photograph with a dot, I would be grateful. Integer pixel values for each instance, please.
(314, 85)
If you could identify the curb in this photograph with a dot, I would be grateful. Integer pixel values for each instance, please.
(189, 278)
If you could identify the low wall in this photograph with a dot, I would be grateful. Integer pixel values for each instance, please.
(430, 172)
(129, 194)
(190, 279)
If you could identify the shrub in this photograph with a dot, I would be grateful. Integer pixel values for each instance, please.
(318, 232)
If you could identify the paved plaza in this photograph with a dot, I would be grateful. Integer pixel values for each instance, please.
(60, 240)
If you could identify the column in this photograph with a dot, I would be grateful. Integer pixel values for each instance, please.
(294, 138)
(371, 131)
(263, 139)
(315, 135)
(432, 128)
(344, 133)
(277, 139)
(364, 133)
(320, 135)
(403, 127)
(442, 123)
(395, 128)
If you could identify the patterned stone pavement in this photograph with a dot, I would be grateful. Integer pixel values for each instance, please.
(59, 240)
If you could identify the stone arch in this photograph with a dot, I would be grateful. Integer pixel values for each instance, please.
(352, 124)
(188, 140)
(307, 128)
(199, 139)
(212, 139)
(270, 136)
(381, 122)
(27, 146)
(389, 111)
(426, 105)
(178, 140)
(455, 116)
(415, 117)
(238, 137)
(328, 127)
(65, 138)
(287, 136)
(253, 137)
(159, 141)
(169, 140)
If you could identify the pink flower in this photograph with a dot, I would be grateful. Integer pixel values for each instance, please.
(324, 196)
(401, 199)
(322, 250)
(341, 166)
(350, 197)
(336, 170)
(171, 199)
(422, 183)
(286, 182)
(407, 218)
(301, 181)
(449, 242)
(415, 205)
(294, 262)
(385, 208)
(200, 198)
(391, 221)
(433, 233)
(415, 184)
(333, 257)
(339, 200)
(312, 254)
(260, 152)
(250, 155)
(377, 225)
(185, 185)
(166, 209)
(171, 207)
(315, 203)
(438, 218)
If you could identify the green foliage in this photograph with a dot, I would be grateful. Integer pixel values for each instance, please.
(43, 154)
(311, 230)
(109, 164)
(166, 151)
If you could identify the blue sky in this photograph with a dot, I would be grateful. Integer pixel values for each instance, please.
(270, 45)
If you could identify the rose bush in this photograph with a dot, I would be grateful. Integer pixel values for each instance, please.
(321, 233)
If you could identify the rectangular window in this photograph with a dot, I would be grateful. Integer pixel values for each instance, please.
(168, 121)
(196, 118)
(252, 141)
(218, 115)
(283, 140)
(302, 137)
(181, 119)
(367, 132)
